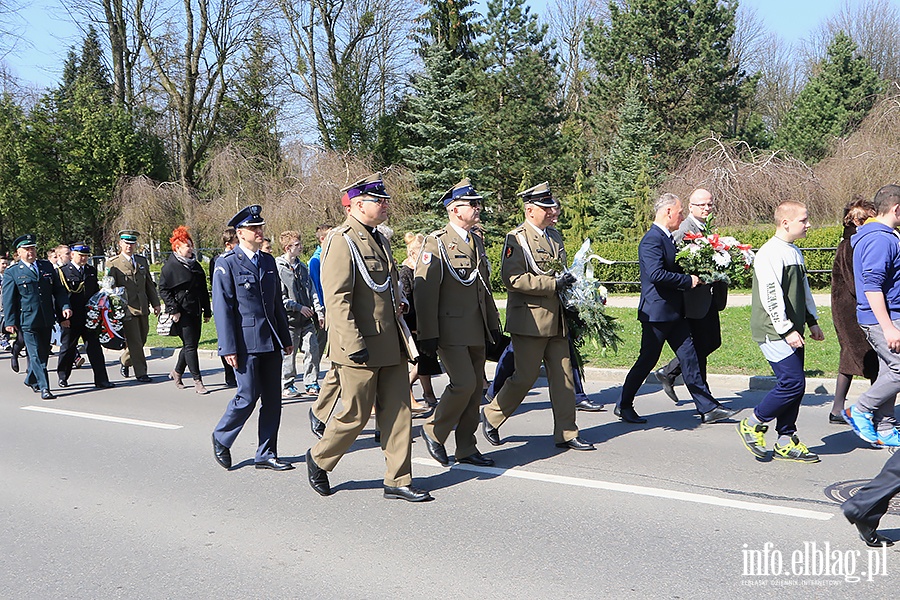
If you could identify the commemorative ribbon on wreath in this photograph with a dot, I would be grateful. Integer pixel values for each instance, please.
(106, 312)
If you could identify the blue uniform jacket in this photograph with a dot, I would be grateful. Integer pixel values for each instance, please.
(662, 288)
(33, 301)
(250, 318)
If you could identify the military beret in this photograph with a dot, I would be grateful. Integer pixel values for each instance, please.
(129, 235)
(539, 195)
(25, 241)
(371, 186)
(80, 248)
(461, 191)
(249, 216)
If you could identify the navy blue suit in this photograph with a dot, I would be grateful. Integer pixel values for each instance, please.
(251, 323)
(33, 302)
(82, 285)
(661, 313)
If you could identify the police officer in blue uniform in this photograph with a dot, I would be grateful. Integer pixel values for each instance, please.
(253, 334)
(79, 278)
(33, 300)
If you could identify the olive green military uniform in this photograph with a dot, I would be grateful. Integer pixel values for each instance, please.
(141, 295)
(455, 306)
(535, 322)
(359, 317)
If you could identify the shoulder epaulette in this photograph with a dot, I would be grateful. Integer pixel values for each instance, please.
(438, 233)
(225, 254)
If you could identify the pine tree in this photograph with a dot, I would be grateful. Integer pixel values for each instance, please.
(518, 100)
(440, 121)
(676, 54)
(831, 104)
(452, 25)
(630, 172)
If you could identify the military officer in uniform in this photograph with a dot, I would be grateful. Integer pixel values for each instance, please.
(367, 351)
(79, 278)
(132, 272)
(253, 335)
(33, 300)
(534, 319)
(455, 314)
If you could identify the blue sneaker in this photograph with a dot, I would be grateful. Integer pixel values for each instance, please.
(889, 437)
(861, 422)
(290, 392)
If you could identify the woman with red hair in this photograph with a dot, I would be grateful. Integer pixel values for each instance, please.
(182, 286)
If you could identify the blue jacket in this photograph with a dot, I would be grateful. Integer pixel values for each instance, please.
(662, 297)
(33, 301)
(250, 317)
(876, 268)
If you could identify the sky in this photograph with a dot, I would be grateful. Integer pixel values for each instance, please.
(48, 32)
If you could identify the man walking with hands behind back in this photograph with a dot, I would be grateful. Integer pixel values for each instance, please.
(252, 328)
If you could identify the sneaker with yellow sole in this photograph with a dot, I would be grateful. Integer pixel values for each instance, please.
(795, 451)
(753, 437)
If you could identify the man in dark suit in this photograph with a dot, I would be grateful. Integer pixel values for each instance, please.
(701, 304)
(865, 508)
(661, 313)
(80, 279)
(253, 334)
(33, 300)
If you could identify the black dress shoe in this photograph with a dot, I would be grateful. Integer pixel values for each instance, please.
(629, 415)
(104, 385)
(587, 405)
(144, 379)
(47, 395)
(872, 538)
(34, 387)
(318, 477)
(315, 425)
(718, 414)
(222, 453)
(491, 433)
(406, 492)
(230, 383)
(576, 443)
(436, 449)
(14, 362)
(478, 459)
(668, 383)
(274, 464)
(377, 436)
(63, 383)
(124, 371)
(836, 419)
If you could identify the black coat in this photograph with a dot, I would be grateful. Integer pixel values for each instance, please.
(81, 285)
(183, 288)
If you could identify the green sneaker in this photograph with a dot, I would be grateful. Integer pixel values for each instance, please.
(795, 451)
(753, 437)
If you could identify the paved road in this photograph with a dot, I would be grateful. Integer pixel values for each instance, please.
(139, 509)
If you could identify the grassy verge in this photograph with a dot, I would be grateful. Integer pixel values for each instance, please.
(739, 354)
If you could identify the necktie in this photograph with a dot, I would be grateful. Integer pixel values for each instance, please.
(35, 269)
(255, 261)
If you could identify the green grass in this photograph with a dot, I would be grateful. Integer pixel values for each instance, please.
(739, 354)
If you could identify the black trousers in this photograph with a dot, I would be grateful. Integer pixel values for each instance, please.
(870, 503)
(707, 336)
(69, 350)
(189, 327)
(678, 335)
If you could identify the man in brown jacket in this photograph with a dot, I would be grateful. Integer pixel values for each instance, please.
(455, 313)
(533, 259)
(362, 303)
(132, 272)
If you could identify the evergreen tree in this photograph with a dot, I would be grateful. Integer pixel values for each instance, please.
(832, 103)
(249, 115)
(629, 174)
(452, 25)
(676, 54)
(519, 143)
(440, 123)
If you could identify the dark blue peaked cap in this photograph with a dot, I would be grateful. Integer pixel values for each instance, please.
(247, 217)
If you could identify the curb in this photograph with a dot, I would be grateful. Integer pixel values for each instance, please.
(756, 383)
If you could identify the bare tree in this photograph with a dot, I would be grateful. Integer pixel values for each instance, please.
(346, 60)
(190, 49)
(782, 78)
(568, 20)
(872, 25)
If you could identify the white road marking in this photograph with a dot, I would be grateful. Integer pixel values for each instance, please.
(83, 415)
(639, 490)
